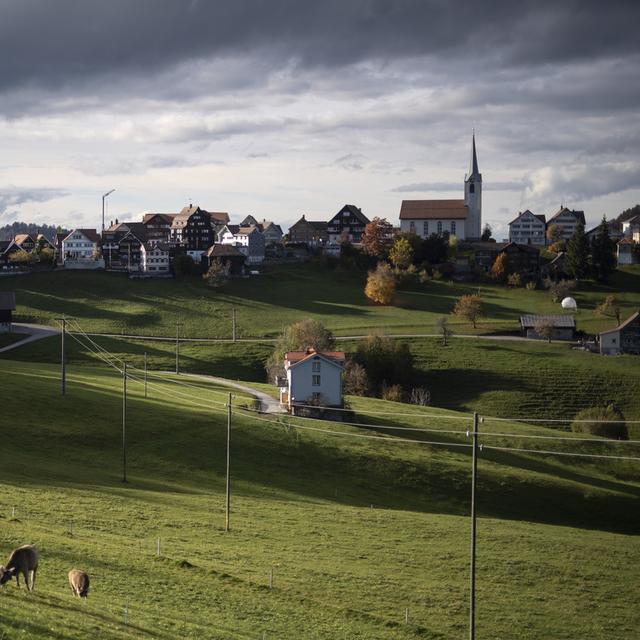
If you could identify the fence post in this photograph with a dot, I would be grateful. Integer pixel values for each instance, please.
(228, 496)
(474, 474)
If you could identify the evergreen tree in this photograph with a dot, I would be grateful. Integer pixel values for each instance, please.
(603, 258)
(577, 259)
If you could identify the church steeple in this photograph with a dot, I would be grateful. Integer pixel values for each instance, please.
(473, 195)
(474, 158)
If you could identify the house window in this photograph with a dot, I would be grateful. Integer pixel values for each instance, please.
(439, 227)
(315, 381)
(412, 227)
(425, 228)
(315, 366)
(453, 227)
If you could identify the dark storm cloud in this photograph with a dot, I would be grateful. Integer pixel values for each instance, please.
(14, 196)
(53, 44)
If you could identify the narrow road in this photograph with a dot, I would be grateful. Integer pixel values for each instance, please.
(267, 403)
(33, 332)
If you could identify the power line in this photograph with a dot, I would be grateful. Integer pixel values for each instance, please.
(561, 453)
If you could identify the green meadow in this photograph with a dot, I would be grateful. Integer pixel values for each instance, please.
(357, 532)
(110, 303)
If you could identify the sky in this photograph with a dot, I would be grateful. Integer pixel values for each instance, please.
(284, 108)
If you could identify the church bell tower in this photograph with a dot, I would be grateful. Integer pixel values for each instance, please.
(473, 196)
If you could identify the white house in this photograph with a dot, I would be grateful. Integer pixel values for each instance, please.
(80, 244)
(567, 220)
(631, 228)
(528, 228)
(249, 240)
(312, 378)
(460, 218)
(154, 258)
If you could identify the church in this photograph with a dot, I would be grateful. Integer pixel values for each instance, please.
(459, 218)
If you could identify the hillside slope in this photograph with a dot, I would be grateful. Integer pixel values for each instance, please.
(355, 529)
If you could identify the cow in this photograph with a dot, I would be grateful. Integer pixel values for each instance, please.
(79, 583)
(23, 560)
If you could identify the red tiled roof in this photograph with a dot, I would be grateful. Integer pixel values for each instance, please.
(433, 210)
(298, 356)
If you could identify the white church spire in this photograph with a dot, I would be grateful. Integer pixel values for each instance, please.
(473, 195)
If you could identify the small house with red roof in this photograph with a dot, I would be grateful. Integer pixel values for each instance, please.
(312, 378)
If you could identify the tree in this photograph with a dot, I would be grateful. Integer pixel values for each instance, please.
(354, 379)
(499, 268)
(307, 333)
(609, 307)
(401, 253)
(183, 265)
(376, 238)
(46, 256)
(603, 256)
(218, 273)
(554, 233)
(385, 360)
(577, 258)
(442, 328)
(559, 290)
(381, 284)
(434, 249)
(545, 329)
(469, 307)
(608, 422)
(486, 233)
(420, 396)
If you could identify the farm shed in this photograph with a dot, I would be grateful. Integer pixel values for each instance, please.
(564, 326)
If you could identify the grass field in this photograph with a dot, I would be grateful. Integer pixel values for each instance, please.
(356, 530)
(495, 378)
(9, 338)
(110, 303)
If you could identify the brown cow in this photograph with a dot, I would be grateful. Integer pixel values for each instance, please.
(23, 560)
(79, 582)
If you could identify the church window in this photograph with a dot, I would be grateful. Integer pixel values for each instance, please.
(472, 188)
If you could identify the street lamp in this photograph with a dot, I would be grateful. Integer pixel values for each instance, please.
(103, 197)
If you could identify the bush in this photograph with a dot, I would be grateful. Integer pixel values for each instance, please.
(381, 284)
(437, 274)
(602, 425)
(420, 396)
(218, 273)
(514, 280)
(559, 290)
(423, 276)
(183, 265)
(385, 360)
(354, 379)
(532, 285)
(393, 393)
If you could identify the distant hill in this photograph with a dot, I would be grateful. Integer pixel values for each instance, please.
(10, 230)
(626, 214)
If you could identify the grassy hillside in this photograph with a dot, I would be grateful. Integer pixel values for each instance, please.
(495, 378)
(356, 530)
(108, 302)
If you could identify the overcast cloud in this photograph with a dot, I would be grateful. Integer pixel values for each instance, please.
(281, 108)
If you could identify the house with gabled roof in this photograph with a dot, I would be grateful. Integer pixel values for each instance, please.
(312, 378)
(310, 232)
(528, 228)
(347, 225)
(80, 245)
(567, 219)
(625, 338)
(564, 326)
(249, 240)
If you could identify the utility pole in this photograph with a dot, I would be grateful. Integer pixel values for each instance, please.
(233, 324)
(145, 374)
(177, 347)
(124, 422)
(228, 503)
(474, 474)
(63, 364)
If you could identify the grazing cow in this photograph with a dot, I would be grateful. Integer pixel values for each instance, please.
(79, 582)
(23, 560)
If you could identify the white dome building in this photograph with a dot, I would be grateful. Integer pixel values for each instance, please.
(570, 304)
